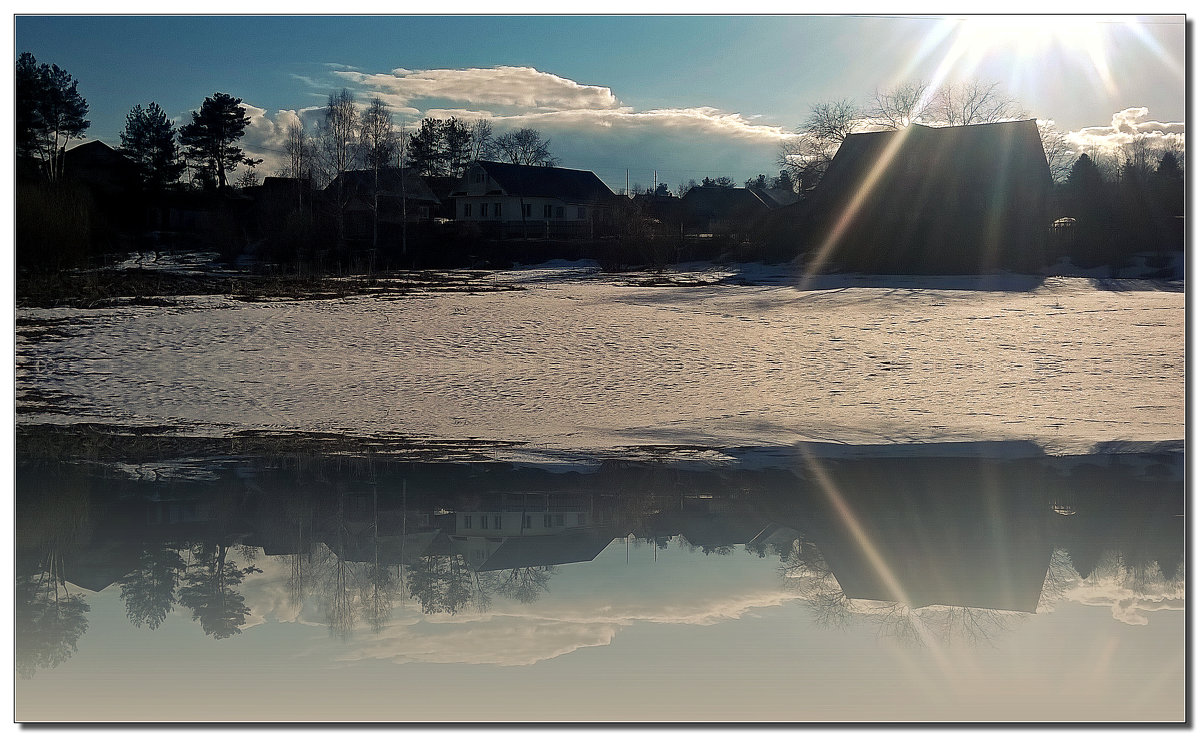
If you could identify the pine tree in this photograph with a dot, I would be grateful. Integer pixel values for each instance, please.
(212, 136)
(149, 142)
(50, 112)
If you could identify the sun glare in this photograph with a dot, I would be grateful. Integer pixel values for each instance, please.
(1029, 43)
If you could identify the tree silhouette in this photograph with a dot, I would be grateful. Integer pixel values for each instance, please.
(212, 137)
(49, 112)
(975, 101)
(899, 106)
(443, 584)
(47, 623)
(338, 136)
(525, 585)
(210, 591)
(149, 589)
(820, 136)
(525, 146)
(148, 141)
(377, 136)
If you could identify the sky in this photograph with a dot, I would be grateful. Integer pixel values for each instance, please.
(663, 98)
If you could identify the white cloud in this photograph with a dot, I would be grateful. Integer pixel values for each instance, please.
(514, 636)
(1126, 126)
(1128, 605)
(524, 87)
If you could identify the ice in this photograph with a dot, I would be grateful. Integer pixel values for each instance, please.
(582, 361)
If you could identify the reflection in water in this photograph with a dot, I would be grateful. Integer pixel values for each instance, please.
(928, 548)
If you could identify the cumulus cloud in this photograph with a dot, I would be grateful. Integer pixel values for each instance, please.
(1125, 127)
(512, 86)
(1129, 605)
(516, 637)
(589, 126)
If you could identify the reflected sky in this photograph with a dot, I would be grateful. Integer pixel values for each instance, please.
(848, 588)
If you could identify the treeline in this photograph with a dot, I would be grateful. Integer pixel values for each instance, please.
(196, 186)
(1106, 218)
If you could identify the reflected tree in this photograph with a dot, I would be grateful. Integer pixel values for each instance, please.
(210, 591)
(48, 618)
(148, 591)
(525, 585)
(443, 584)
(48, 622)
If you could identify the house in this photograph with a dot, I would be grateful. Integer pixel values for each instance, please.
(403, 197)
(961, 199)
(716, 209)
(101, 168)
(532, 201)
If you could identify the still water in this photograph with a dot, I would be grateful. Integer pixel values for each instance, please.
(921, 584)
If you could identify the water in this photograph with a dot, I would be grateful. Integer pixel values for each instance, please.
(888, 583)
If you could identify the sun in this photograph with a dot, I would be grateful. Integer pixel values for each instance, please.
(1028, 42)
(1034, 35)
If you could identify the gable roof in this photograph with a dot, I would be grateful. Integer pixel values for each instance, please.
(569, 185)
(547, 550)
(962, 198)
(723, 202)
(392, 183)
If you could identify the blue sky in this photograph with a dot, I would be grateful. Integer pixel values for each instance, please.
(690, 96)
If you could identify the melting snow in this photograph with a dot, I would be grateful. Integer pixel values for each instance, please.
(582, 361)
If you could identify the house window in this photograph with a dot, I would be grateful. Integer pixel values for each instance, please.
(582, 213)
(479, 177)
(558, 212)
(547, 210)
(558, 520)
(546, 520)
(483, 521)
(496, 519)
(483, 210)
(467, 521)
(526, 211)
(467, 210)
(497, 209)
(527, 521)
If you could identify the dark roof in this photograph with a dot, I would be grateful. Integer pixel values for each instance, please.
(723, 202)
(546, 550)
(568, 185)
(774, 197)
(391, 183)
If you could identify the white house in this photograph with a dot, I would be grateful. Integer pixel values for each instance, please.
(536, 199)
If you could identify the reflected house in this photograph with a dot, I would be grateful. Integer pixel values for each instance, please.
(714, 524)
(521, 530)
(959, 199)
(951, 532)
(533, 201)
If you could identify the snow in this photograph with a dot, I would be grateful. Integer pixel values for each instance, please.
(582, 362)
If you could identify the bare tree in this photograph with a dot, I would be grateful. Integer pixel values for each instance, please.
(971, 102)
(808, 154)
(898, 107)
(1060, 155)
(525, 146)
(338, 145)
(299, 162)
(378, 139)
(482, 143)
